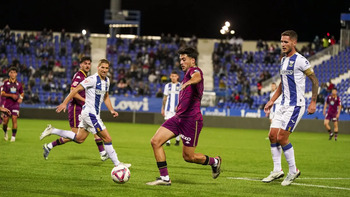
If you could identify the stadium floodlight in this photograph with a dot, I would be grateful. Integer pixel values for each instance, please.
(83, 32)
(225, 28)
(227, 24)
(232, 32)
(222, 31)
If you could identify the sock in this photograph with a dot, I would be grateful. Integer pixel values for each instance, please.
(99, 143)
(168, 142)
(289, 154)
(210, 161)
(335, 135)
(14, 132)
(4, 127)
(178, 138)
(56, 143)
(63, 133)
(330, 132)
(163, 170)
(111, 153)
(276, 152)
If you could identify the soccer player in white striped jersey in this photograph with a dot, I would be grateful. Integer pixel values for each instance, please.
(171, 99)
(96, 91)
(294, 68)
(276, 104)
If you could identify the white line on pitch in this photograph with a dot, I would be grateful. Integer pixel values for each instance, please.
(301, 184)
(327, 178)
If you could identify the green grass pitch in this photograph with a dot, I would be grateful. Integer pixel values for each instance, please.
(76, 169)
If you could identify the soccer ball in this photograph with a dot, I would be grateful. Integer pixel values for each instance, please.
(120, 174)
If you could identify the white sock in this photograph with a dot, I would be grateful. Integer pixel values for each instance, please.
(111, 153)
(168, 142)
(165, 178)
(289, 154)
(103, 152)
(178, 138)
(64, 133)
(49, 145)
(276, 152)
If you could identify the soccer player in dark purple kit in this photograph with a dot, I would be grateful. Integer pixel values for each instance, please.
(187, 121)
(13, 91)
(74, 110)
(334, 103)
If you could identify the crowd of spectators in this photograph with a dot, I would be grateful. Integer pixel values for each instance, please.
(45, 61)
(141, 66)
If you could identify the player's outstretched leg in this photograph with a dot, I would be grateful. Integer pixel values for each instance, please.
(47, 147)
(51, 130)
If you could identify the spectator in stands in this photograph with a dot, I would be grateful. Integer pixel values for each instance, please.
(48, 101)
(325, 42)
(247, 99)
(159, 93)
(317, 43)
(333, 41)
(260, 45)
(152, 78)
(35, 98)
(221, 102)
(222, 84)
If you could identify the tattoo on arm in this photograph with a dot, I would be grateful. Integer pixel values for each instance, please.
(314, 82)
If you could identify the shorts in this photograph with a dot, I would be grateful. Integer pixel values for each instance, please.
(14, 110)
(91, 122)
(332, 117)
(74, 111)
(187, 129)
(274, 108)
(287, 117)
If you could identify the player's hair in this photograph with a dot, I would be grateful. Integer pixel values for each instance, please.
(273, 83)
(85, 58)
(105, 61)
(174, 72)
(335, 89)
(189, 51)
(12, 68)
(291, 33)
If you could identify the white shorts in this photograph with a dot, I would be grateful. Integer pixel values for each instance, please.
(169, 115)
(273, 110)
(91, 122)
(287, 117)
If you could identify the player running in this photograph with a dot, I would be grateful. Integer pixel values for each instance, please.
(13, 91)
(74, 110)
(187, 121)
(334, 109)
(276, 104)
(170, 100)
(294, 67)
(96, 89)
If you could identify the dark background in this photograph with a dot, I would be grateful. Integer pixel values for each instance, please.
(251, 19)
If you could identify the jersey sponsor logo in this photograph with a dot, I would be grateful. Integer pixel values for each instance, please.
(75, 83)
(100, 92)
(286, 72)
(13, 89)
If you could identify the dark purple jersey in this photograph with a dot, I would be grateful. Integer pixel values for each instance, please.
(77, 78)
(333, 104)
(190, 98)
(12, 88)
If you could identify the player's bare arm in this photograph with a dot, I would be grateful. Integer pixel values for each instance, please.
(13, 96)
(63, 105)
(165, 97)
(109, 106)
(311, 75)
(77, 96)
(273, 99)
(339, 110)
(324, 108)
(195, 78)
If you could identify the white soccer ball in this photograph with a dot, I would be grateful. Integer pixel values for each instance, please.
(120, 174)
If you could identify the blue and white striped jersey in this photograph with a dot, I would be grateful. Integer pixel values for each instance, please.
(95, 91)
(172, 91)
(293, 79)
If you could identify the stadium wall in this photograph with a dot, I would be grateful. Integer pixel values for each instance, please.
(209, 121)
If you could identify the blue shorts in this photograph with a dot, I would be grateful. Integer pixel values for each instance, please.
(187, 129)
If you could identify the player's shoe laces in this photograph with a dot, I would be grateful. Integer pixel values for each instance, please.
(159, 181)
(46, 151)
(290, 178)
(46, 132)
(216, 170)
(6, 137)
(273, 176)
(128, 165)
(177, 143)
(104, 156)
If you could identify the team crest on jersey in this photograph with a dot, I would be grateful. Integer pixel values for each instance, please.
(332, 102)
(291, 63)
(75, 83)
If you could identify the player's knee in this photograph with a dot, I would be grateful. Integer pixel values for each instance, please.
(78, 141)
(155, 142)
(272, 137)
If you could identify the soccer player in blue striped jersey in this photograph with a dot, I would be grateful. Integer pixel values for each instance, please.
(293, 71)
(170, 100)
(96, 89)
